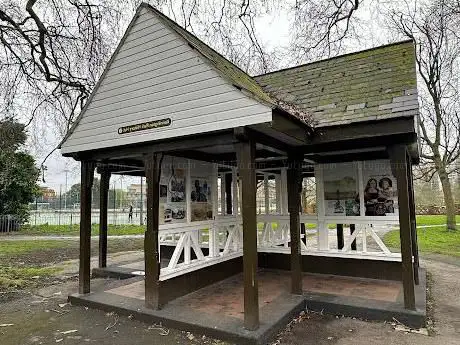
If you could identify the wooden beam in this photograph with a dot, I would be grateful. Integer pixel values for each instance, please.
(152, 163)
(246, 158)
(103, 205)
(268, 140)
(359, 143)
(188, 142)
(87, 175)
(365, 129)
(348, 157)
(398, 159)
(294, 188)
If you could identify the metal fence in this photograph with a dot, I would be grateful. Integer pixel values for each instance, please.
(9, 223)
(71, 217)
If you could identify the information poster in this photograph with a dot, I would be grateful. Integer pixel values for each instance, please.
(380, 190)
(201, 202)
(341, 196)
(172, 195)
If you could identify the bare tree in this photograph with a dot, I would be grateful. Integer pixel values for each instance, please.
(52, 52)
(434, 30)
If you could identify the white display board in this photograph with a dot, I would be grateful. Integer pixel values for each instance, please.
(356, 189)
(181, 200)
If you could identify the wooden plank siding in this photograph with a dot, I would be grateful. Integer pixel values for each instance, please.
(156, 74)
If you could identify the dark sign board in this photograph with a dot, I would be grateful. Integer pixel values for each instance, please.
(144, 126)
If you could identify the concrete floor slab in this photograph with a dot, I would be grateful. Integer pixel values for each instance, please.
(217, 310)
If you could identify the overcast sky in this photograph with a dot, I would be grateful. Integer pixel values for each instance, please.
(273, 31)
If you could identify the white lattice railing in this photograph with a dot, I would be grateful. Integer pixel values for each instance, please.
(319, 240)
(223, 239)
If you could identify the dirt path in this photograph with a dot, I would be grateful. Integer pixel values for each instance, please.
(44, 318)
(317, 329)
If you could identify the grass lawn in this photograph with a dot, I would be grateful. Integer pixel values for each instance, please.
(14, 248)
(435, 240)
(45, 229)
(434, 220)
(32, 263)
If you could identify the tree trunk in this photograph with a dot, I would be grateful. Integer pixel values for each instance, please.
(448, 198)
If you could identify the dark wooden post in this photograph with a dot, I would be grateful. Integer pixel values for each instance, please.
(294, 186)
(410, 181)
(152, 164)
(103, 205)
(228, 193)
(246, 164)
(398, 158)
(352, 230)
(340, 242)
(87, 175)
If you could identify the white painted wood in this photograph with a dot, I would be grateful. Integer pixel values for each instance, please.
(84, 145)
(223, 204)
(323, 231)
(214, 191)
(266, 194)
(362, 208)
(278, 193)
(364, 239)
(156, 74)
(284, 206)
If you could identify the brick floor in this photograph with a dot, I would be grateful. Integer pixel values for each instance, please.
(226, 297)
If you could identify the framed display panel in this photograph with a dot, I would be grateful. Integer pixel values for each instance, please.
(186, 191)
(356, 190)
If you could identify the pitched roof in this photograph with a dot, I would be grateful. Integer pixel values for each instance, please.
(237, 76)
(373, 84)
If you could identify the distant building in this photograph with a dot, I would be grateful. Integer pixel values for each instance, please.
(134, 194)
(47, 194)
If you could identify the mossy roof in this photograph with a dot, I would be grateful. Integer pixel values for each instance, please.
(374, 84)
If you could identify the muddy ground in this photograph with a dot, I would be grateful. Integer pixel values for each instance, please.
(42, 316)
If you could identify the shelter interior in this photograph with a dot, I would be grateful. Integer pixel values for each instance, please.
(329, 146)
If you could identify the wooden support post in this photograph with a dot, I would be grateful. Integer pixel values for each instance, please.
(235, 191)
(398, 158)
(340, 241)
(103, 205)
(416, 262)
(228, 192)
(246, 164)
(294, 187)
(87, 175)
(152, 163)
(352, 230)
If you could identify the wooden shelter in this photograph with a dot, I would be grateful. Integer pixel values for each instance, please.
(206, 135)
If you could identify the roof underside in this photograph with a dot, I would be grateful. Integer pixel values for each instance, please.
(375, 84)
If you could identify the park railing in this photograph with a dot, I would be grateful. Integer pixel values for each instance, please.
(9, 223)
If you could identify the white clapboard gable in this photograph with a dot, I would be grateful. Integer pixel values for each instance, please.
(154, 75)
